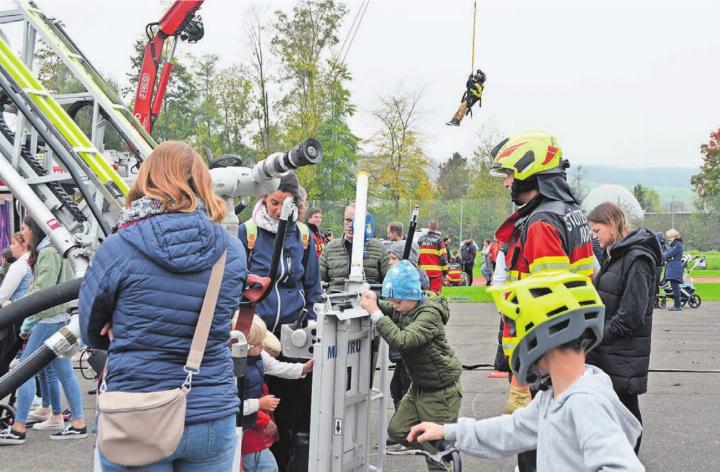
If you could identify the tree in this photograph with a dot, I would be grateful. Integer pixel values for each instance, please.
(398, 166)
(334, 178)
(260, 78)
(706, 184)
(317, 102)
(53, 73)
(300, 41)
(209, 116)
(648, 198)
(454, 178)
(233, 96)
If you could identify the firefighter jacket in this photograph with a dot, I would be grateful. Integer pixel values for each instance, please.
(433, 255)
(546, 235)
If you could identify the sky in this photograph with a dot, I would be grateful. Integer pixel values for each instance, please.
(624, 83)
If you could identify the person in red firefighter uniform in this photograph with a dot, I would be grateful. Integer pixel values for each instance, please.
(548, 231)
(433, 256)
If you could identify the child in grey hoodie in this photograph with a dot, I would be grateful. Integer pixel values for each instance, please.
(578, 423)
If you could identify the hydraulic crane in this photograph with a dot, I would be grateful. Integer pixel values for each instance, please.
(180, 22)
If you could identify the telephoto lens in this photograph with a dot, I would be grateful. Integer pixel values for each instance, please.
(307, 153)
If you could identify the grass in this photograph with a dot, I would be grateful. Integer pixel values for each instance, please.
(705, 273)
(708, 292)
(466, 294)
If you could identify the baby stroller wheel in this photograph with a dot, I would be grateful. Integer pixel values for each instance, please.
(662, 302)
(464, 280)
(695, 301)
(7, 416)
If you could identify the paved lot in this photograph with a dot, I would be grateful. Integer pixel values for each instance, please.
(681, 411)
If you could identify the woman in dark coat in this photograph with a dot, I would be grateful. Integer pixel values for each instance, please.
(627, 284)
(674, 269)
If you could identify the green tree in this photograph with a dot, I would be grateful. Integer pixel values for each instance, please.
(648, 198)
(334, 178)
(317, 102)
(398, 165)
(209, 116)
(453, 180)
(300, 41)
(53, 73)
(706, 183)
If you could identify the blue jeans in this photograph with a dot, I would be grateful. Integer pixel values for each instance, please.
(206, 447)
(262, 461)
(50, 389)
(62, 368)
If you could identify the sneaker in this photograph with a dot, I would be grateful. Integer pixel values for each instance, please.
(675, 308)
(39, 414)
(70, 432)
(54, 423)
(396, 449)
(8, 437)
(37, 402)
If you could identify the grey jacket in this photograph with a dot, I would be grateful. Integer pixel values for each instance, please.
(585, 428)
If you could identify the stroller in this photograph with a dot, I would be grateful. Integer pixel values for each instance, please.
(687, 287)
(10, 345)
(456, 277)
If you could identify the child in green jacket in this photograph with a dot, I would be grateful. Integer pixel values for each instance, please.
(412, 323)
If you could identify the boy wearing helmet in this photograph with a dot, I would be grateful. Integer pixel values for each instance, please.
(577, 423)
(413, 324)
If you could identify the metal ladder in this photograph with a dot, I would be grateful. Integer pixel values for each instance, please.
(113, 108)
(28, 86)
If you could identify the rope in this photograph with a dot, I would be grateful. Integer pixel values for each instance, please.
(472, 54)
(363, 9)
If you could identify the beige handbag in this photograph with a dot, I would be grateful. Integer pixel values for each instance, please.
(136, 428)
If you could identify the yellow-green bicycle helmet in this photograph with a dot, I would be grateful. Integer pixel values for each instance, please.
(527, 154)
(546, 311)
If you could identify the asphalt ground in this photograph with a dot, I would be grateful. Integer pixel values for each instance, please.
(681, 410)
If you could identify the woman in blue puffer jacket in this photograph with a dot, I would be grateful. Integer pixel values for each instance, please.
(145, 287)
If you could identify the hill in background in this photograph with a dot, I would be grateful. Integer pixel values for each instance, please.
(669, 182)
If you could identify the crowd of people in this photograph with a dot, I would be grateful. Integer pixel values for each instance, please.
(553, 269)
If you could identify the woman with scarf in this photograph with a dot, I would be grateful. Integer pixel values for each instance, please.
(142, 295)
(295, 291)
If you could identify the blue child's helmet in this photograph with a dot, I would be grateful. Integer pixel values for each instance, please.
(402, 282)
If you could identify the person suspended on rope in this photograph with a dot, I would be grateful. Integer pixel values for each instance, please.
(473, 94)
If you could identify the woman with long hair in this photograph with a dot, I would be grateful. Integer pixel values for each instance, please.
(292, 297)
(49, 269)
(627, 284)
(142, 295)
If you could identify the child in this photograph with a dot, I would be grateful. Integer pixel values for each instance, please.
(413, 324)
(259, 430)
(578, 423)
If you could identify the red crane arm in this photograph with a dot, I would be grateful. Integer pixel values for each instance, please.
(182, 23)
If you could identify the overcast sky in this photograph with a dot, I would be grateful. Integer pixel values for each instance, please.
(619, 83)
